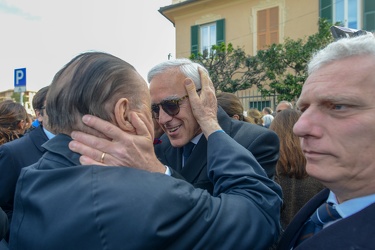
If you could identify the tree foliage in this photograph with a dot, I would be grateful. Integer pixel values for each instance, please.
(230, 68)
(279, 69)
(285, 65)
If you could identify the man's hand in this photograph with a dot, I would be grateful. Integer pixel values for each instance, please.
(204, 106)
(121, 149)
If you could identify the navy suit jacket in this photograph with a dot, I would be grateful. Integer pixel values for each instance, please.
(62, 205)
(3, 224)
(14, 156)
(261, 142)
(354, 232)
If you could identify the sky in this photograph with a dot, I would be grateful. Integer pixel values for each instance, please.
(43, 35)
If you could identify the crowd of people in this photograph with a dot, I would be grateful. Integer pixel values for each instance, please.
(115, 163)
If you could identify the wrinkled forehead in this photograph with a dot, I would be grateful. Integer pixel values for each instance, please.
(341, 79)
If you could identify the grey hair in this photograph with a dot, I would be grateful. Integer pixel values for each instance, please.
(343, 48)
(186, 66)
(290, 105)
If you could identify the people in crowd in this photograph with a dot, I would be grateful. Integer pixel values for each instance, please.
(61, 204)
(283, 105)
(337, 137)
(21, 153)
(13, 121)
(267, 116)
(171, 107)
(181, 127)
(297, 186)
(38, 106)
(232, 106)
(255, 116)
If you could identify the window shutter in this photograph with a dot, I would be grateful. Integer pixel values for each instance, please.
(194, 39)
(274, 25)
(262, 29)
(325, 9)
(220, 31)
(369, 15)
(267, 27)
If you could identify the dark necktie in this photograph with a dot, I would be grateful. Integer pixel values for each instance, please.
(324, 214)
(187, 151)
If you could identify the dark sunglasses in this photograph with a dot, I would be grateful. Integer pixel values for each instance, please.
(171, 107)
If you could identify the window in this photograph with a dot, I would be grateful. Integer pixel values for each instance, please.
(207, 37)
(369, 15)
(204, 36)
(355, 14)
(267, 27)
(259, 104)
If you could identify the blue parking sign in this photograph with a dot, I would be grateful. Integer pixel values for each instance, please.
(20, 80)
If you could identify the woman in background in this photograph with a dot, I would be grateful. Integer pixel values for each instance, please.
(232, 106)
(13, 121)
(291, 174)
(255, 116)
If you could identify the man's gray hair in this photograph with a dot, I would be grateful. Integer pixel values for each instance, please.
(343, 48)
(186, 66)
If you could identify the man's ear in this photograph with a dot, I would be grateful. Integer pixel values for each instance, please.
(121, 112)
(236, 117)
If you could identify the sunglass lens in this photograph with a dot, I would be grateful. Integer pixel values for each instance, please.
(170, 107)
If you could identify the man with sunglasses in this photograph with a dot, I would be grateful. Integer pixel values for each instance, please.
(171, 107)
(61, 204)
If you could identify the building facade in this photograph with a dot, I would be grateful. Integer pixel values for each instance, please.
(255, 24)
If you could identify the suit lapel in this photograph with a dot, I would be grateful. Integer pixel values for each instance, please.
(292, 231)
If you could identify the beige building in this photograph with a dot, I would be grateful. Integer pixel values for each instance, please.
(253, 24)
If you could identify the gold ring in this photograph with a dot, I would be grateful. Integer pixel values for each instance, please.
(102, 158)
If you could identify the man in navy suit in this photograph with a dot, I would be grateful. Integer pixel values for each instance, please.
(172, 110)
(167, 84)
(337, 137)
(60, 204)
(20, 153)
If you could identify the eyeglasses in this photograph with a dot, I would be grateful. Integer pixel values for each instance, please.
(171, 107)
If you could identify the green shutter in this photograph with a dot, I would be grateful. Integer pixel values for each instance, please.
(220, 31)
(325, 9)
(194, 39)
(369, 15)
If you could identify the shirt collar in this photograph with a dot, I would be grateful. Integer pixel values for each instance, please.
(352, 206)
(196, 139)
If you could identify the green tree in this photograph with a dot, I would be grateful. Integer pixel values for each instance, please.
(285, 65)
(16, 96)
(279, 69)
(230, 68)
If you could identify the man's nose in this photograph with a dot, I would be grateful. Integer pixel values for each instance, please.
(163, 116)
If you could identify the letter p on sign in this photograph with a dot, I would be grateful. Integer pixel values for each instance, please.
(20, 80)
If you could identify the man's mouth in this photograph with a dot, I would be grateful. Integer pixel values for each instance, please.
(173, 129)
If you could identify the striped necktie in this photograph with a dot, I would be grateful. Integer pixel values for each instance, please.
(324, 214)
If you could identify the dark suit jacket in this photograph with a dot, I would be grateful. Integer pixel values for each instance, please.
(62, 205)
(14, 156)
(3, 224)
(354, 232)
(261, 142)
